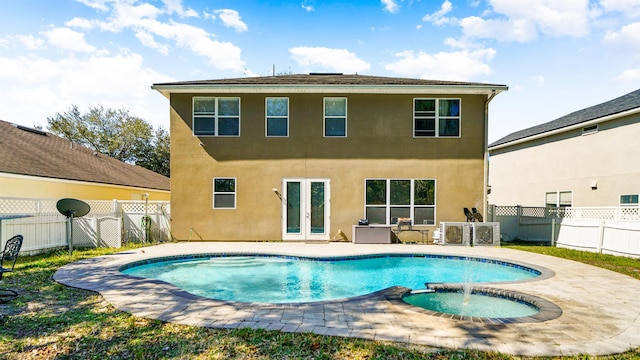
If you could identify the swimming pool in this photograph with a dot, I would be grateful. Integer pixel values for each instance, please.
(287, 279)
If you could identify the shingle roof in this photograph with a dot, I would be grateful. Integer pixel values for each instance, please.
(323, 79)
(623, 103)
(26, 151)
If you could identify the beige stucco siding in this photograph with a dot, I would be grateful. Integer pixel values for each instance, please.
(379, 144)
(570, 161)
(23, 186)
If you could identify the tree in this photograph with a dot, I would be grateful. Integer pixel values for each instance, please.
(117, 134)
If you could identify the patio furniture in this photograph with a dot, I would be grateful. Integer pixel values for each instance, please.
(7, 263)
(468, 214)
(476, 215)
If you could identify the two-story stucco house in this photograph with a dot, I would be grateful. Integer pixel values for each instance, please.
(585, 158)
(303, 157)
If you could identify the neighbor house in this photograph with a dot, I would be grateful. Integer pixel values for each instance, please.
(305, 157)
(38, 164)
(586, 158)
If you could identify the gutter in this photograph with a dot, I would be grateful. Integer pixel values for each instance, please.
(166, 90)
(568, 128)
(485, 199)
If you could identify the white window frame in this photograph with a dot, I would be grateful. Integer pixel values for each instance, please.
(215, 115)
(234, 193)
(437, 117)
(558, 195)
(412, 206)
(267, 117)
(325, 117)
(631, 204)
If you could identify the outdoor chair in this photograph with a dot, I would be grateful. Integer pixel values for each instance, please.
(476, 215)
(468, 214)
(7, 263)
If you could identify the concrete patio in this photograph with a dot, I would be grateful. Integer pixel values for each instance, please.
(600, 308)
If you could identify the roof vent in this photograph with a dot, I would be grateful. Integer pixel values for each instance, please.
(317, 73)
(31, 130)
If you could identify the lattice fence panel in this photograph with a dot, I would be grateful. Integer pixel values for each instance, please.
(506, 211)
(629, 213)
(538, 212)
(18, 206)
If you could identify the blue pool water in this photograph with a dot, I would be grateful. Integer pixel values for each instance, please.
(478, 305)
(279, 279)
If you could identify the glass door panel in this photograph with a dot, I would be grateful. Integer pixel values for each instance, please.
(293, 209)
(305, 209)
(317, 213)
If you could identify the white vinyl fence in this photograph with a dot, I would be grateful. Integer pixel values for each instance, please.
(108, 224)
(609, 230)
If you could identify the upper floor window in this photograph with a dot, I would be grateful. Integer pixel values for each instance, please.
(277, 116)
(216, 116)
(436, 118)
(335, 117)
(224, 193)
(629, 200)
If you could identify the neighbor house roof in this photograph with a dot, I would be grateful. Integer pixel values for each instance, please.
(327, 82)
(26, 151)
(609, 108)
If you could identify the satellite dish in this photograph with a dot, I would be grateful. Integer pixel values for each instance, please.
(72, 208)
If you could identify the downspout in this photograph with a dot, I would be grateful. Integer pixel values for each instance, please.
(485, 199)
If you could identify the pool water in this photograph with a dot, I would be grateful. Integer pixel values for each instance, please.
(478, 305)
(278, 279)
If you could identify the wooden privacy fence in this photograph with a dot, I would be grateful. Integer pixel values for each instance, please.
(108, 224)
(611, 230)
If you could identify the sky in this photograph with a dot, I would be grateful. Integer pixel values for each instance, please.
(556, 56)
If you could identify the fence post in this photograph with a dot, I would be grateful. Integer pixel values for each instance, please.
(553, 232)
(600, 236)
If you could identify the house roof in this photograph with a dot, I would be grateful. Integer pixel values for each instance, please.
(618, 105)
(25, 151)
(327, 82)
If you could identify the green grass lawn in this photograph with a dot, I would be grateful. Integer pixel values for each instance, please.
(51, 321)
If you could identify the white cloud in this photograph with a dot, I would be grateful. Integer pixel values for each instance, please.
(630, 8)
(96, 4)
(631, 76)
(523, 20)
(627, 38)
(67, 39)
(552, 17)
(175, 6)
(438, 17)
(142, 20)
(307, 6)
(390, 6)
(231, 18)
(37, 88)
(459, 65)
(502, 30)
(80, 23)
(339, 60)
(28, 41)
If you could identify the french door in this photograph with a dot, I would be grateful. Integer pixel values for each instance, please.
(305, 209)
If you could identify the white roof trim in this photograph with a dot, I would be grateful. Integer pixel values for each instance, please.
(166, 90)
(568, 128)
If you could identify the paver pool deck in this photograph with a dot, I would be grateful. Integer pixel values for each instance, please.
(600, 308)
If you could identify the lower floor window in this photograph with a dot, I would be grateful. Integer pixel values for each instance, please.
(629, 200)
(559, 199)
(224, 193)
(387, 200)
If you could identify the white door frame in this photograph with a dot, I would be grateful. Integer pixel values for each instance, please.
(305, 230)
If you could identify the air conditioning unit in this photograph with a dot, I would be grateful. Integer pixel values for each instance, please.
(455, 233)
(485, 233)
